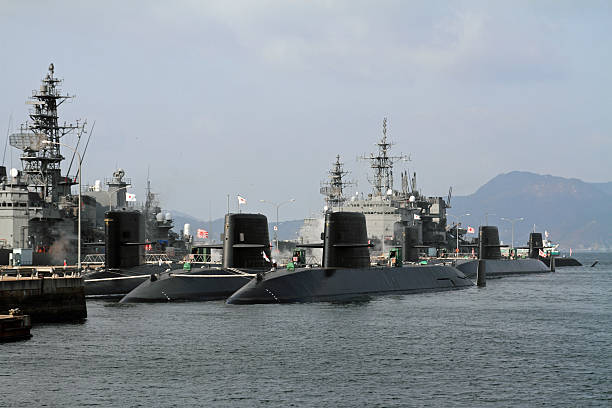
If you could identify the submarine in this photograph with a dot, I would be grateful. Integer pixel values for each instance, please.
(496, 266)
(346, 273)
(549, 252)
(246, 252)
(124, 265)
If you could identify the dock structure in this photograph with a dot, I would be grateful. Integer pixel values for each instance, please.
(45, 294)
(14, 326)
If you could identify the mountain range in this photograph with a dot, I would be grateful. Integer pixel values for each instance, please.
(576, 214)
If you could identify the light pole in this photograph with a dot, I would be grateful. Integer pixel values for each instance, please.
(512, 221)
(458, 217)
(80, 178)
(277, 205)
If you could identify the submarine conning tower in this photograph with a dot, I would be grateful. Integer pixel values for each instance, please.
(245, 241)
(408, 239)
(488, 243)
(124, 239)
(535, 244)
(345, 242)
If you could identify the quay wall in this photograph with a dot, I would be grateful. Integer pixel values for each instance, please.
(45, 299)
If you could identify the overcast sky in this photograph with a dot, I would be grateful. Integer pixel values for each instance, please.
(258, 97)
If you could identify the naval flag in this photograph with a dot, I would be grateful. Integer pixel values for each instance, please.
(202, 233)
(241, 200)
(265, 256)
(542, 254)
(470, 230)
(130, 197)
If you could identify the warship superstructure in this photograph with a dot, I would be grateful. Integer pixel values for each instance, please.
(38, 210)
(385, 206)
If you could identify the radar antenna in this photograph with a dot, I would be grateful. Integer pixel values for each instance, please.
(382, 164)
(333, 190)
(42, 161)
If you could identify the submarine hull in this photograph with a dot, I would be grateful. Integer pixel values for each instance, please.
(118, 282)
(562, 261)
(199, 284)
(504, 267)
(347, 284)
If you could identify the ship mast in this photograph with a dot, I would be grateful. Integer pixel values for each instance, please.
(382, 164)
(42, 161)
(333, 190)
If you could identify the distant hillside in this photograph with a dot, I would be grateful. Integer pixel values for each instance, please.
(577, 214)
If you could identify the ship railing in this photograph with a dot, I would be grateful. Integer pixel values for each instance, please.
(200, 258)
(37, 272)
(90, 259)
(157, 258)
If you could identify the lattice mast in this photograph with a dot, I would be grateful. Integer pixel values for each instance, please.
(382, 164)
(42, 161)
(333, 190)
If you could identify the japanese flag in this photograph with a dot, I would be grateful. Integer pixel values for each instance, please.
(470, 230)
(241, 200)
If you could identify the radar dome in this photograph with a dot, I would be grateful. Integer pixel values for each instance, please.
(168, 217)
(159, 217)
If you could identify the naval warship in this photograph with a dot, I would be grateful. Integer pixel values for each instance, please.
(386, 209)
(38, 210)
(346, 273)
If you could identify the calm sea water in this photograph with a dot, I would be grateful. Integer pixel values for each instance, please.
(539, 340)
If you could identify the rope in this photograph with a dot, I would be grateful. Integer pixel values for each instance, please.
(243, 275)
(110, 279)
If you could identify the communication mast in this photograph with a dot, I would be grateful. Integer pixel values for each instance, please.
(39, 140)
(382, 164)
(333, 190)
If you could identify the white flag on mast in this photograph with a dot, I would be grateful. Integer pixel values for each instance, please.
(241, 200)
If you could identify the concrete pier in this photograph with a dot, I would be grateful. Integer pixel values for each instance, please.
(53, 298)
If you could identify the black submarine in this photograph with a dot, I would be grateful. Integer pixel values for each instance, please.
(489, 251)
(346, 273)
(246, 252)
(124, 259)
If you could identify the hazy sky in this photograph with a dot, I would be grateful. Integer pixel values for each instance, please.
(258, 97)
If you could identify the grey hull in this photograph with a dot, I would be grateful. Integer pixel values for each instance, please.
(346, 284)
(199, 284)
(118, 282)
(504, 267)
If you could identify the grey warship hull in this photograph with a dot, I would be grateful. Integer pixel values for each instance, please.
(199, 284)
(496, 268)
(347, 284)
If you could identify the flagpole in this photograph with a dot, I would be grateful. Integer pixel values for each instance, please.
(228, 203)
